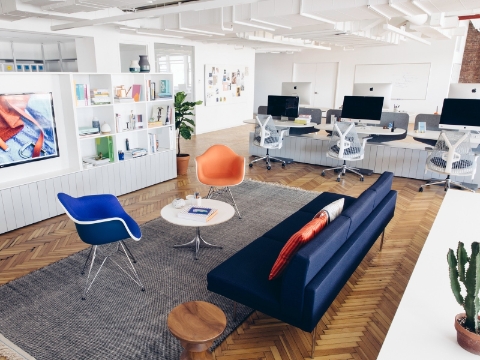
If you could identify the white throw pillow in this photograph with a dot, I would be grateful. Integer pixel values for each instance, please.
(333, 210)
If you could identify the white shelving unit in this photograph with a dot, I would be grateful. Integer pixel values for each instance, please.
(28, 191)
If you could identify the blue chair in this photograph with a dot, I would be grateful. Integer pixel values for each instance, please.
(101, 220)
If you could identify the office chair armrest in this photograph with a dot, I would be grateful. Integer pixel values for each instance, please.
(364, 140)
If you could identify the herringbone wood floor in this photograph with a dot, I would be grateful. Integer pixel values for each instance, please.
(356, 323)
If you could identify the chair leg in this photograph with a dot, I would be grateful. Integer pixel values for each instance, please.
(86, 260)
(234, 203)
(129, 252)
(136, 280)
(87, 285)
(381, 241)
(216, 191)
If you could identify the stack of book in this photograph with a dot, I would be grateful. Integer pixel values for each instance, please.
(197, 213)
(303, 119)
(153, 142)
(100, 96)
(87, 130)
(134, 153)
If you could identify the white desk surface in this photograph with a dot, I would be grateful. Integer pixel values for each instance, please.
(371, 130)
(285, 124)
(225, 212)
(433, 135)
(423, 325)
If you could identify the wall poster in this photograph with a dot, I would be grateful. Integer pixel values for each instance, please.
(225, 84)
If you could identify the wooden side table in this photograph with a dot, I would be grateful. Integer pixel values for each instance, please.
(196, 324)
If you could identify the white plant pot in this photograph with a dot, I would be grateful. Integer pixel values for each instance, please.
(134, 66)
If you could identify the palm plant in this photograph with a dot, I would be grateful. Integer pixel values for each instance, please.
(184, 124)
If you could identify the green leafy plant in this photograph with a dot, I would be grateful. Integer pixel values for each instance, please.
(184, 124)
(471, 280)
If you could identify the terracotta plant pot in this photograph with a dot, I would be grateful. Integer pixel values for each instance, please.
(467, 339)
(182, 164)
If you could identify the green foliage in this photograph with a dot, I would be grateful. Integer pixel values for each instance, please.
(184, 124)
(471, 280)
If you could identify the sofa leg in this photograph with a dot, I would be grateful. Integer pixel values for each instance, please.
(234, 310)
(381, 241)
(314, 332)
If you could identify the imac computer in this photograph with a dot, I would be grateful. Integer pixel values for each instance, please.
(301, 89)
(464, 91)
(460, 114)
(283, 106)
(374, 89)
(362, 109)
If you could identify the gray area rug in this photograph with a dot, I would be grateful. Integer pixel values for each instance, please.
(44, 315)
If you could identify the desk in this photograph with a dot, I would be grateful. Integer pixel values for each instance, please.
(369, 130)
(284, 124)
(433, 135)
(423, 324)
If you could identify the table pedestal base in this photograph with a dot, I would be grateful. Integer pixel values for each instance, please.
(197, 240)
(196, 351)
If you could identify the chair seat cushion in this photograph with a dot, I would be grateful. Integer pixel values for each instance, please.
(222, 179)
(244, 277)
(461, 164)
(350, 151)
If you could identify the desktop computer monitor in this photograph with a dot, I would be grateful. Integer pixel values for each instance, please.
(374, 89)
(460, 114)
(464, 91)
(301, 89)
(362, 109)
(283, 106)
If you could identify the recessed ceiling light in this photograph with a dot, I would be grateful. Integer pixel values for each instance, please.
(378, 12)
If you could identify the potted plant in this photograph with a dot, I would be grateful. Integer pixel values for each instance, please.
(184, 125)
(467, 323)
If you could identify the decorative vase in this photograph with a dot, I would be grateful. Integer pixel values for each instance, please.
(134, 66)
(465, 338)
(144, 64)
(182, 164)
(106, 129)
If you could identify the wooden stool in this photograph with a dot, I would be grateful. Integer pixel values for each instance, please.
(196, 324)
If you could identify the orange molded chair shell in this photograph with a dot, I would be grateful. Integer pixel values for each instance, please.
(220, 166)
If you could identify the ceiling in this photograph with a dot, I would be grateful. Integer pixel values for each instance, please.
(265, 25)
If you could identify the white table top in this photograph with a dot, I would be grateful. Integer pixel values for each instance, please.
(285, 124)
(225, 212)
(433, 135)
(371, 130)
(423, 325)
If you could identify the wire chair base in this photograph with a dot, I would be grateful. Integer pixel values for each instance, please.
(131, 273)
(447, 184)
(343, 170)
(268, 159)
(222, 191)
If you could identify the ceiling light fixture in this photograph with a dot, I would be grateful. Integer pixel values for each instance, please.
(398, 8)
(404, 33)
(422, 7)
(202, 31)
(270, 23)
(158, 34)
(187, 32)
(378, 12)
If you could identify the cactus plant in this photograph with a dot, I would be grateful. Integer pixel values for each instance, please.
(471, 280)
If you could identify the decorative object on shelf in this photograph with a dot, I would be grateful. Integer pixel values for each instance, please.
(136, 91)
(131, 125)
(178, 203)
(184, 125)
(121, 155)
(127, 144)
(96, 123)
(134, 153)
(106, 129)
(436, 112)
(467, 324)
(104, 147)
(139, 124)
(86, 130)
(395, 108)
(144, 64)
(117, 122)
(134, 66)
(190, 199)
(165, 89)
(167, 120)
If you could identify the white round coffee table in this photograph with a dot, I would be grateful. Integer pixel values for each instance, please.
(225, 213)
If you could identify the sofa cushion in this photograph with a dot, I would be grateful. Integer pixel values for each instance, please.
(333, 210)
(360, 210)
(244, 277)
(284, 231)
(382, 186)
(296, 241)
(323, 200)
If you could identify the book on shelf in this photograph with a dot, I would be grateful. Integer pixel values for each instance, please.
(99, 96)
(82, 94)
(87, 130)
(134, 153)
(123, 99)
(303, 119)
(104, 146)
(165, 89)
(95, 161)
(153, 92)
(197, 213)
(153, 142)
(136, 91)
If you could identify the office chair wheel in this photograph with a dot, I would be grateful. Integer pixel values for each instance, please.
(143, 289)
(421, 189)
(250, 165)
(283, 165)
(338, 179)
(343, 174)
(323, 173)
(269, 167)
(362, 179)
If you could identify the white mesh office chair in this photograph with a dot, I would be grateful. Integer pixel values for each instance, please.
(345, 145)
(452, 155)
(268, 137)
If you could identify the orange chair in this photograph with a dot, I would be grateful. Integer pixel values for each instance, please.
(219, 167)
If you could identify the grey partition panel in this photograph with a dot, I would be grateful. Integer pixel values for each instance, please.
(336, 112)
(29, 203)
(400, 120)
(404, 162)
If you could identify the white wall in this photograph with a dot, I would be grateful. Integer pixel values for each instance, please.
(440, 54)
(211, 118)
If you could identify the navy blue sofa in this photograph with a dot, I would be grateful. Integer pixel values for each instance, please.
(319, 270)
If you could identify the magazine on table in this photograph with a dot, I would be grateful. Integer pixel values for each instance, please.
(197, 213)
